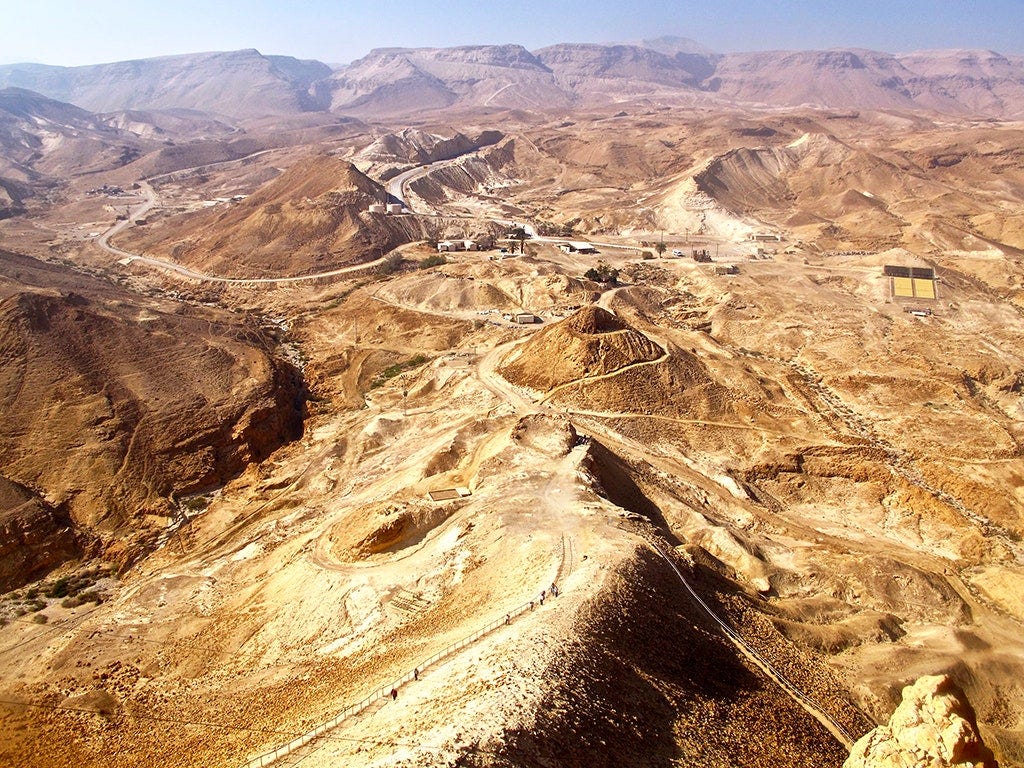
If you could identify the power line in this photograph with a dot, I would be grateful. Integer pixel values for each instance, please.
(49, 629)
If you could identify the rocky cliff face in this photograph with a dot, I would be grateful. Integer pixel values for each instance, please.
(581, 68)
(933, 727)
(111, 406)
(34, 537)
(405, 80)
(402, 81)
(106, 414)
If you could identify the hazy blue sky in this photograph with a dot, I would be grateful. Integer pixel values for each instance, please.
(90, 31)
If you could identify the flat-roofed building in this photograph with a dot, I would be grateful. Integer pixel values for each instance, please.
(577, 246)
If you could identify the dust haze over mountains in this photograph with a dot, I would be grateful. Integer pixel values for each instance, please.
(400, 81)
(313, 377)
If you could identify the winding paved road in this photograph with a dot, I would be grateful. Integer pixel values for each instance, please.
(103, 241)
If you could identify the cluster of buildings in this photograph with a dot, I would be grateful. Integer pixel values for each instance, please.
(450, 246)
(386, 208)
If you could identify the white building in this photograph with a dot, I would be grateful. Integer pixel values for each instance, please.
(450, 246)
(577, 246)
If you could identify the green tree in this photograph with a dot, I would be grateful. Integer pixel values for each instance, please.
(517, 233)
(602, 273)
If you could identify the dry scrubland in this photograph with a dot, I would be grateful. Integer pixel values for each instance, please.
(840, 480)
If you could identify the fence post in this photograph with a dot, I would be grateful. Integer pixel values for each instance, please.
(354, 709)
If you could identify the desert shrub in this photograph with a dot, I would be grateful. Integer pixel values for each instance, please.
(40, 618)
(435, 260)
(602, 273)
(59, 588)
(391, 264)
(71, 602)
(196, 503)
(393, 370)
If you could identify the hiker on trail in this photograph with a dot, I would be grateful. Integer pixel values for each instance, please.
(416, 674)
(394, 694)
(508, 619)
(554, 589)
(542, 597)
(531, 605)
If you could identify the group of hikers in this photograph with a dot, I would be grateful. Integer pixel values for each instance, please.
(543, 594)
(553, 591)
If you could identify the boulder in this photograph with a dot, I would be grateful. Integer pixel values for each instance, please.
(933, 727)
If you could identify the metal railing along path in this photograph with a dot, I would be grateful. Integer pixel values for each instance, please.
(383, 692)
(805, 701)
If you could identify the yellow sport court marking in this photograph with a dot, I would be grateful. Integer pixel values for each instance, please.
(924, 289)
(903, 286)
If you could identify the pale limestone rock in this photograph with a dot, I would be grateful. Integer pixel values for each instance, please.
(933, 727)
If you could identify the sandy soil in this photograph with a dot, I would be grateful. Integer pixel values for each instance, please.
(844, 476)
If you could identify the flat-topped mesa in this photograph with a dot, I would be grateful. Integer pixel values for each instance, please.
(590, 342)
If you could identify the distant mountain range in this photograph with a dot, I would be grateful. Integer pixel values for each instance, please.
(391, 82)
(41, 138)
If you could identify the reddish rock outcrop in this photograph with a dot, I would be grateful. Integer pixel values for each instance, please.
(34, 537)
(112, 404)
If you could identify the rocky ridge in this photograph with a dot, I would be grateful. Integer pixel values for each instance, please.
(401, 81)
(933, 727)
(237, 84)
(111, 410)
(314, 217)
(34, 537)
